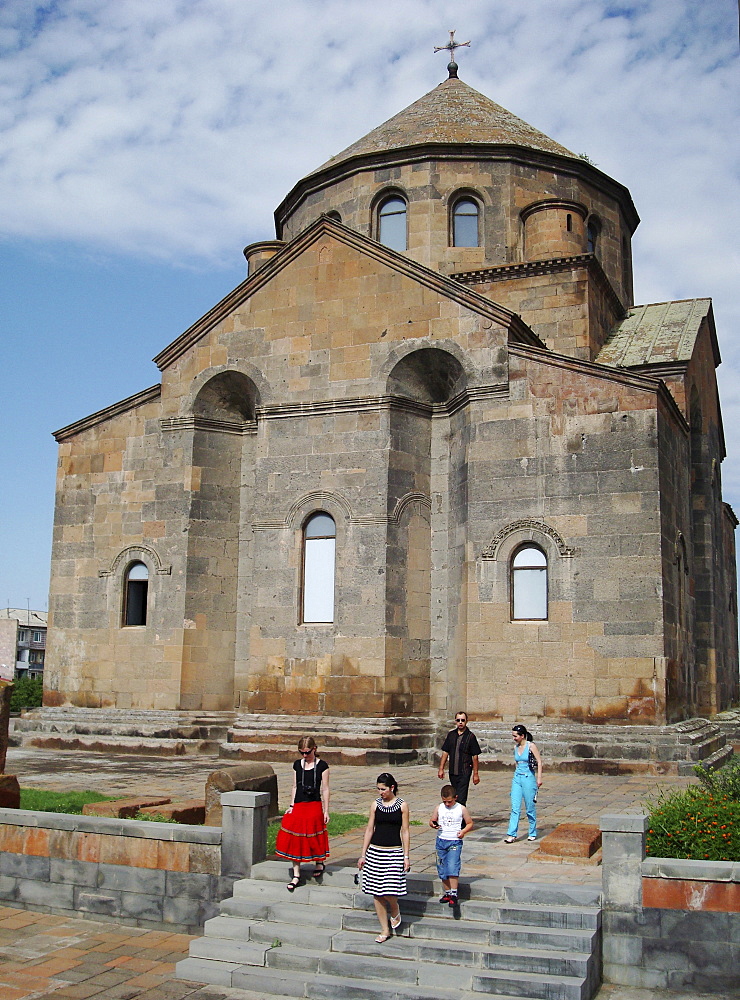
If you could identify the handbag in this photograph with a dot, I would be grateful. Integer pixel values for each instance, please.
(532, 761)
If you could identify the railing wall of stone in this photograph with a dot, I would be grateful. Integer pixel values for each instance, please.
(135, 872)
(667, 923)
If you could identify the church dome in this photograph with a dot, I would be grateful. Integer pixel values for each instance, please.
(453, 113)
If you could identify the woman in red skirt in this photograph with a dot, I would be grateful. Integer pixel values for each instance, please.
(302, 835)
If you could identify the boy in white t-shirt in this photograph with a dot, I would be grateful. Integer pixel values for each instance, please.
(452, 821)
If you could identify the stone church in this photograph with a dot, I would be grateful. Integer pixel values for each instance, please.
(428, 455)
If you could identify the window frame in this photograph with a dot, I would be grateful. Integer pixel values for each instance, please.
(126, 595)
(460, 197)
(305, 538)
(522, 569)
(384, 199)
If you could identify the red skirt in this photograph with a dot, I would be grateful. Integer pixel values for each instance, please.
(302, 835)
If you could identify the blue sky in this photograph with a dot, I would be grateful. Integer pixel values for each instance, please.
(143, 145)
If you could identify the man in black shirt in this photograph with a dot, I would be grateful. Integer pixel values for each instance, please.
(462, 749)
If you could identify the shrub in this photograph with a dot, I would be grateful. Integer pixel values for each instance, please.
(694, 823)
(724, 781)
(27, 693)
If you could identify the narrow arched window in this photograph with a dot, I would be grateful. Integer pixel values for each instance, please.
(392, 223)
(592, 236)
(465, 223)
(529, 584)
(319, 550)
(135, 593)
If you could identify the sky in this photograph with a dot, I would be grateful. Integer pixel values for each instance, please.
(144, 144)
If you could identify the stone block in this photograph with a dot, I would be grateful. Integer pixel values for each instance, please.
(244, 831)
(104, 903)
(8, 887)
(73, 872)
(46, 894)
(190, 811)
(188, 885)
(10, 792)
(131, 879)
(22, 866)
(142, 906)
(572, 840)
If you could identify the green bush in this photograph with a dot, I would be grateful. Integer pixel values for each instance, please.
(27, 693)
(154, 818)
(694, 823)
(724, 781)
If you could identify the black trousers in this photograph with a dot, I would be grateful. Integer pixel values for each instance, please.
(461, 784)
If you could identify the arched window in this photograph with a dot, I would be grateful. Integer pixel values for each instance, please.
(465, 223)
(135, 592)
(319, 547)
(392, 223)
(592, 236)
(529, 584)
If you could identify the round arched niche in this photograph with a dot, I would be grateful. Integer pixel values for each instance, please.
(428, 375)
(229, 395)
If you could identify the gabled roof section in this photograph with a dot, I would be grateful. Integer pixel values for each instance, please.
(130, 403)
(452, 113)
(518, 331)
(659, 333)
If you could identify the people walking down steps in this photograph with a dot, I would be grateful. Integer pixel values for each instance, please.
(385, 854)
(452, 821)
(303, 836)
(462, 749)
(525, 783)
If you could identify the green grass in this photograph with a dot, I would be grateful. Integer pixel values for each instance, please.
(41, 800)
(154, 818)
(339, 823)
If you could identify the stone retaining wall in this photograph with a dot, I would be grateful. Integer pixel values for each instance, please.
(667, 922)
(135, 872)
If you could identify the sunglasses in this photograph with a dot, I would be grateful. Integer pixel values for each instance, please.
(308, 751)
(461, 720)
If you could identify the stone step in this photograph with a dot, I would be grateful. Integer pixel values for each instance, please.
(362, 741)
(345, 755)
(285, 983)
(714, 761)
(302, 725)
(120, 744)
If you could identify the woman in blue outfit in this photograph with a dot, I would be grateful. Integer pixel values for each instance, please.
(525, 782)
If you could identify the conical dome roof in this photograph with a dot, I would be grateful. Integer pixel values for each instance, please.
(452, 113)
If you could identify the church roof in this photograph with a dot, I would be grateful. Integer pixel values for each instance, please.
(658, 333)
(452, 113)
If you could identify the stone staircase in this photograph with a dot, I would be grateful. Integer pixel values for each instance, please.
(611, 749)
(390, 741)
(510, 940)
(125, 731)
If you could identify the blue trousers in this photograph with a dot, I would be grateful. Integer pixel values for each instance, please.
(523, 786)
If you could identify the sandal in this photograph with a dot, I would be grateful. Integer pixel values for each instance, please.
(396, 921)
(509, 840)
(294, 883)
(381, 938)
(318, 870)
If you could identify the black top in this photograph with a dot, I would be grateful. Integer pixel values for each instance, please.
(461, 756)
(388, 821)
(308, 781)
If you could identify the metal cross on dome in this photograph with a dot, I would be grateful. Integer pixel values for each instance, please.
(450, 47)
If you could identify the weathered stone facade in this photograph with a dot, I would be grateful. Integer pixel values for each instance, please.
(444, 405)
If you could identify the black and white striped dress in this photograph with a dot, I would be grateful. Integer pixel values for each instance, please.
(383, 873)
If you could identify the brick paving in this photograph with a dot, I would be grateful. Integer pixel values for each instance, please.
(46, 955)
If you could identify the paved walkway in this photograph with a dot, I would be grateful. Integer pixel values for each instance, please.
(44, 955)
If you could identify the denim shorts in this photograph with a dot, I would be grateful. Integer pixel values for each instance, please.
(449, 858)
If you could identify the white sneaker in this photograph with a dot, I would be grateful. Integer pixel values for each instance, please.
(531, 838)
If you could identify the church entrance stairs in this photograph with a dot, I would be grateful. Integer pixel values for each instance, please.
(391, 741)
(610, 749)
(125, 731)
(510, 939)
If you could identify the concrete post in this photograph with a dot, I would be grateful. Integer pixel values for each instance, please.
(243, 831)
(623, 850)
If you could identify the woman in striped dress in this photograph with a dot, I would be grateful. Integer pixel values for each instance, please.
(385, 854)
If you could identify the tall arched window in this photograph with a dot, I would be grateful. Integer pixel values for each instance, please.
(529, 584)
(319, 549)
(135, 593)
(592, 236)
(392, 223)
(465, 223)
